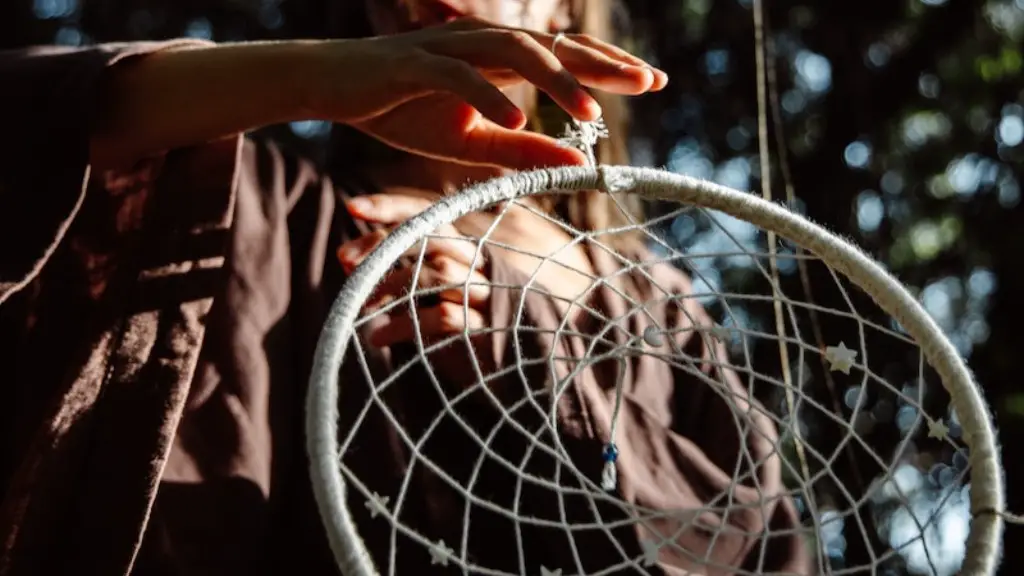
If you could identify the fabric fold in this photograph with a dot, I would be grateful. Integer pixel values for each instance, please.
(691, 442)
(46, 110)
(105, 283)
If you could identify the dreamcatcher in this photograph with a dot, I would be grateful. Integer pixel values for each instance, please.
(576, 488)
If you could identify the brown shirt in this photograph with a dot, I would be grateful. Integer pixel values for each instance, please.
(156, 332)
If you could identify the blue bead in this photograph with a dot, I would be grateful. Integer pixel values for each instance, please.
(610, 453)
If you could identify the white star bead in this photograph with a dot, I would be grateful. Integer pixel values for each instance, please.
(377, 504)
(440, 553)
(650, 548)
(937, 429)
(545, 572)
(840, 358)
(653, 337)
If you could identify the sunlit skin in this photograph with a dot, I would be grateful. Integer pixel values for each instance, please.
(421, 180)
(446, 92)
(451, 82)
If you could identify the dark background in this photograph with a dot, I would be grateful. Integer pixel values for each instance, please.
(903, 123)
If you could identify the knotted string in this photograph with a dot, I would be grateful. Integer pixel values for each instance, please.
(584, 136)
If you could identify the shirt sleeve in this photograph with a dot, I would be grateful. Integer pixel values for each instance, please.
(46, 111)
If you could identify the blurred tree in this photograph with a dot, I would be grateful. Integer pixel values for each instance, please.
(902, 121)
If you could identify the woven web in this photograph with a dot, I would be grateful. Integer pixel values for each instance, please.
(861, 429)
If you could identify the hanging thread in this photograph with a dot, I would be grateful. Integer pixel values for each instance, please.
(584, 136)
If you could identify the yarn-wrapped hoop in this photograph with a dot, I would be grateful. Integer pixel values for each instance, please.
(325, 393)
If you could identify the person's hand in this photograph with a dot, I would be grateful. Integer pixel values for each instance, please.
(448, 262)
(542, 251)
(436, 91)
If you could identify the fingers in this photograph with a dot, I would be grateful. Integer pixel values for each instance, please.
(393, 209)
(534, 56)
(494, 145)
(598, 69)
(462, 79)
(459, 280)
(520, 51)
(387, 208)
(353, 252)
(619, 56)
(548, 40)
(444, 319)
(475, 141)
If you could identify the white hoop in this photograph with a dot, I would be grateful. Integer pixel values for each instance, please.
(987, 493)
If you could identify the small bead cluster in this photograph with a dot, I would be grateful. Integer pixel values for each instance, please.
(609, 476)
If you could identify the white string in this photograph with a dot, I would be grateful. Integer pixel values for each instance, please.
(847, 265)
(584, 137)
(766, 192)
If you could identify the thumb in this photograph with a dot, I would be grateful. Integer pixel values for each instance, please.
(488, 143)
(448, 129)
(481, 141)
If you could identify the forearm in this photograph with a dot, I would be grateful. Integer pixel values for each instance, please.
(185, 96)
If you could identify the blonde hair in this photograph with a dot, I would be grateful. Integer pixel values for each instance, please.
(590, 209)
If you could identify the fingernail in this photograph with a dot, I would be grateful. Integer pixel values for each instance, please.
(592, 107)
(650, 77)
(359, 205)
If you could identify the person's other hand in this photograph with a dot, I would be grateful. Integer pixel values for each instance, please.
(437, 91)
(533, 245)
(449, 262)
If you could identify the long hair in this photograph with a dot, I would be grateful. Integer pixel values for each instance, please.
(585, 210)
(590, 209)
